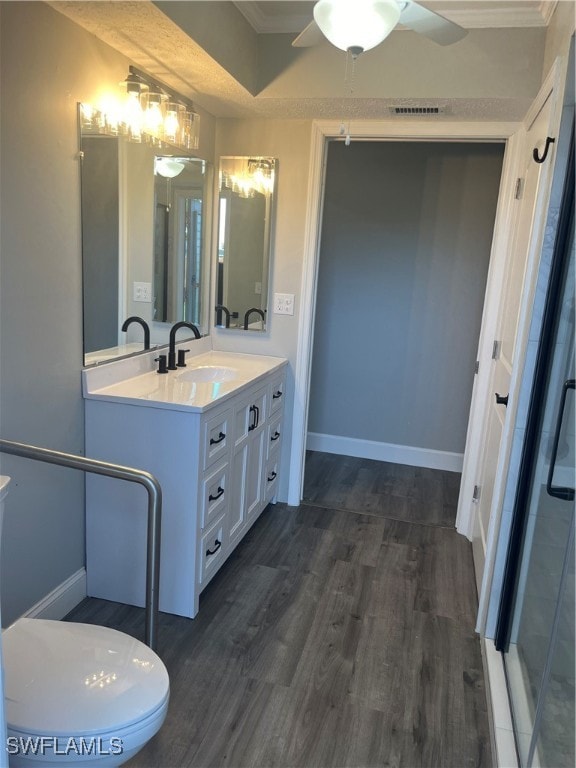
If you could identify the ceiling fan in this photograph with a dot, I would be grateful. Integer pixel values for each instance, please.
(358, 25)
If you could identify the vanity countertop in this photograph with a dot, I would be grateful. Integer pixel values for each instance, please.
(208, 379)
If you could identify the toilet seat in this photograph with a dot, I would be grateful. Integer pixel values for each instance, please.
(70, 680)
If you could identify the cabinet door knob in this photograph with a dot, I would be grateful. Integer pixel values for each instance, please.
(277, 394)
(501, 399)
(275, 436)
(272, 476)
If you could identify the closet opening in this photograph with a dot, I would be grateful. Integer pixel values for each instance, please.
(405, 239)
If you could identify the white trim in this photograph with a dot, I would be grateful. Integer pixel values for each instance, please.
(478, 418)
(382, 130)
(499, 713)
(552, 88)
(395, 454)
(62, 599)
(302, 369)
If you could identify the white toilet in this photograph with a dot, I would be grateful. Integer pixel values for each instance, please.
(79, 693)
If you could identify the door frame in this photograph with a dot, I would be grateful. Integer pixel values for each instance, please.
(508, 465)
(371, 130)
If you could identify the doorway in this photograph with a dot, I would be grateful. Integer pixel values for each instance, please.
(405, 245)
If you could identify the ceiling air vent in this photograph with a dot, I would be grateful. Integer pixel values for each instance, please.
(431, 110)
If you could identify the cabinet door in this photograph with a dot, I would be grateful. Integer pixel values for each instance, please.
(237, 500)
(250, 416)
(250, 430)
(254, 466)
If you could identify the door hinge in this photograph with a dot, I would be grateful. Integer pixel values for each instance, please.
(496, 349)
(476, 494)
(518, 189)
(477, 366)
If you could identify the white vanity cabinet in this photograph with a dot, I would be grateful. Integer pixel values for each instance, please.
(218, 469)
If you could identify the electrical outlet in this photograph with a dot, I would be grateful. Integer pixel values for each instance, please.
(283, 303)
(142, 292)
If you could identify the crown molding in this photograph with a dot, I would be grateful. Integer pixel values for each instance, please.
(488, 15)
(499, 15)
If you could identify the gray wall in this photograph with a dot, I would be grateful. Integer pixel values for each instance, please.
(47, 65)
(405, 248)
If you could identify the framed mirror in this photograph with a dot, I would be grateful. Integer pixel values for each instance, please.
(245, 223)
(145, 224)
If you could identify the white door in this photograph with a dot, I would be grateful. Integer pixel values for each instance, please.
(528, 208)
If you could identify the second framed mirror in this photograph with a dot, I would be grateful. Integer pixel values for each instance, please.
(245, 222)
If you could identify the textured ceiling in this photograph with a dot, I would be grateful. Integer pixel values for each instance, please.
(310, 83)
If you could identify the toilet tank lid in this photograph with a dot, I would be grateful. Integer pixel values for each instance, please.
(63, 679)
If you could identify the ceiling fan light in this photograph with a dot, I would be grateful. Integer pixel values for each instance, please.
(358, 24)
(168, 167)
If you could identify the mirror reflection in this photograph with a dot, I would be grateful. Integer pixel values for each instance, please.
(245, 214)
(144, 227)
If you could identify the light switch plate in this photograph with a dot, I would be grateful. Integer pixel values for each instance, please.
(283, 303)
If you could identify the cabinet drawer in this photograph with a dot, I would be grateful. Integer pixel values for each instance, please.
(250, 415)
(274, 436)
(213, 545)
(216, 439)
(271, 477)
(277, 393)
(214, 494)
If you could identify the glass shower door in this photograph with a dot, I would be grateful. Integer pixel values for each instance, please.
(537, 628)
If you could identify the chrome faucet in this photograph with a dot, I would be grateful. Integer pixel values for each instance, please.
(144, 325)
(172, 348)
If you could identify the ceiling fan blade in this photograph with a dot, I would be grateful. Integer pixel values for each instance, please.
(310, 35)
(431, 24)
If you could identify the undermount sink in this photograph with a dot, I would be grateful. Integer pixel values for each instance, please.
(209, 373)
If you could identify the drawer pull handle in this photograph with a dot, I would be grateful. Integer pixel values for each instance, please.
(215, 441)
(217, 495)
(277, 394)
(217, 545)
(275, 436)
(272, 476)
(254, 411)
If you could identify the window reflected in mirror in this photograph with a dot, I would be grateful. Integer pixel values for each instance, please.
(245, 221)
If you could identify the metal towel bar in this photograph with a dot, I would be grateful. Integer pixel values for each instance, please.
(154, 512)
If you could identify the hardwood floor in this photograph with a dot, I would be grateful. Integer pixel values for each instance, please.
(331, 638)
(415, 494)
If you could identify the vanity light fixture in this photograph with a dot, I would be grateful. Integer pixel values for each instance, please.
(151, 112)
(357, 26)
(250, 176)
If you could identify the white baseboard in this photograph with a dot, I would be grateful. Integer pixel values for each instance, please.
(62, 599)
(396, 454)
